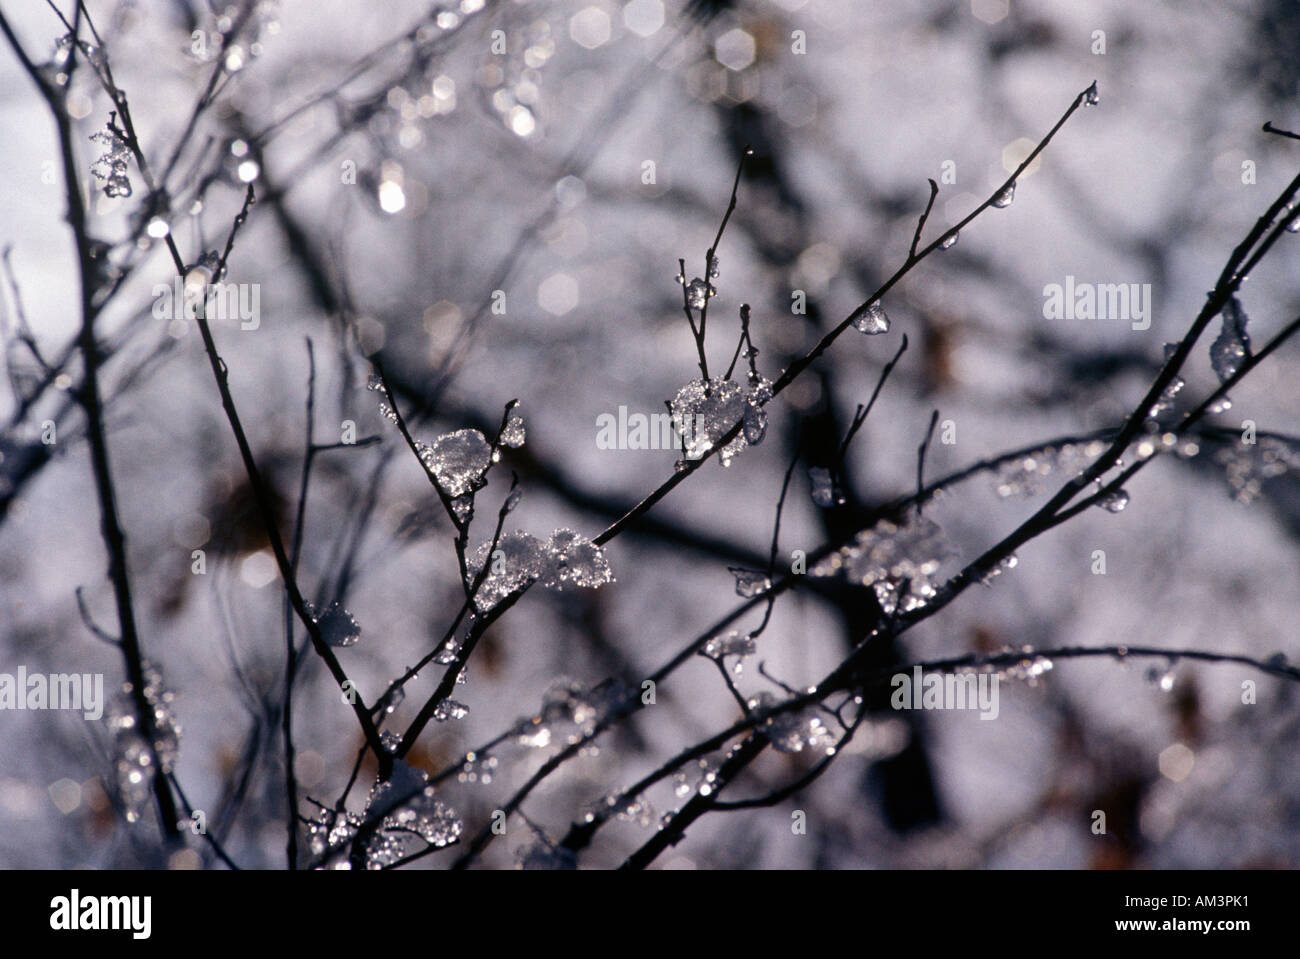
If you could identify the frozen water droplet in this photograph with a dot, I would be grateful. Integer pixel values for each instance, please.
(1163, 680)
(794, 731)
(374, 383)
(749, 582)
(899, 561)
(411, 814)
(450, 709)
(1005, 197)
(1170, 392)
(703, 413)
(512, 501)
(732, 644)
(1006, 563)
(1232, 345)
(391, 701)
(1294, 225)
(574, 560)
(337, 627)
(518, 559)
(698, 293)
(1114, 502)
(459, 460)
(871, 319)
(824, 492)
(514, 433)
(135, 758)
(1091, 97)
(113, 164)
(949, 241)
(1030, 668)
(1221, 405)
(754, 424)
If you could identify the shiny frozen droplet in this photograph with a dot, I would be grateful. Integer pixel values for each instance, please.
(337, 626)
(749, 582)
(871, 319)
(703, 413)
(1005, 198)
(514, 432)
(949, 241)
(1232, 345)
(450, 709)
(1114, 502)
(1090, 96)
(458, 461)
(698, 293)
(824, 492)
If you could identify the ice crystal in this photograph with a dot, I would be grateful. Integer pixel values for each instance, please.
(574, 560)
(513, 433)
(698, 293)
(749, 582)
(135, 757)
(1029, 668)
(518, 559)
(898, 561)
(570, 712)
(635, 809)
(337, 626)
(795, 730)
(825, 493)
(413, 817)
(1233, 343)
(1026, 475)
(1166, 401)
(1114, 502)
(871, 319)
(458, 461)
(703, 413)
(1004, 564)
(450, 709)
(734, 643)
(706, 770)
(112, 165)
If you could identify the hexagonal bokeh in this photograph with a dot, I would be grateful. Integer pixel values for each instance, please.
(590, 27)
(644, 17)
(734, 49)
